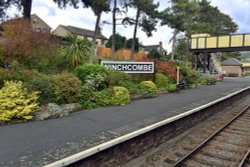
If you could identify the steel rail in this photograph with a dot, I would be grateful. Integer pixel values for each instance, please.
(178, 163)
(245, 158)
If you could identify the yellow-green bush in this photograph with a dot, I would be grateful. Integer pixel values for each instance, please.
(171, 87)
(162, 81)
(120, 96)
(16, 102)
(148, 89)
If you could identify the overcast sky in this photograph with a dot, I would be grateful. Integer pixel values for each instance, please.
(84, 18)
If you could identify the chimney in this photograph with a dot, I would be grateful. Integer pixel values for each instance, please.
(160, 43)
(161, 49)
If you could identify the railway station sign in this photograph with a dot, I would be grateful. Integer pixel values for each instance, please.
(130, 67)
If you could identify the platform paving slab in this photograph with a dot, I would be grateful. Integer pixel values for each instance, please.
(41, 142)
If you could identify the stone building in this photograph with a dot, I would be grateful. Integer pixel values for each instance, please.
(158, 47)
(232, 67)
(62, 31)
(39, 25)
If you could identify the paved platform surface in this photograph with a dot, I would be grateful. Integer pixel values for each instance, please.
(41, 142)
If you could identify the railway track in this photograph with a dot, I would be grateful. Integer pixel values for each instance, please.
(246, 160)
(226, 147)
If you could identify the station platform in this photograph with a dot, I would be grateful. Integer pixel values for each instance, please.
(38, 143)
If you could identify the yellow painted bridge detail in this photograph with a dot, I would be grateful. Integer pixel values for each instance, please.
(228, 43)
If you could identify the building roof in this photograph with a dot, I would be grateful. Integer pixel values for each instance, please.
(231, 62)
(36, 20)
(39, 20)
(83, 32)
(150, 47)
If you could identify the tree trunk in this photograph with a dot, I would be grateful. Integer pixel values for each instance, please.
(173, 44)
(114, 30)
(135, 31)
(97, 30)
(27, 4)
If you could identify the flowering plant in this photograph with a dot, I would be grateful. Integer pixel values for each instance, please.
(165, 67)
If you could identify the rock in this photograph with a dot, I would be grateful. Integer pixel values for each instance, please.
(52, 110)
(69, 107)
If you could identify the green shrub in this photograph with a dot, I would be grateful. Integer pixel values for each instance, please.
(9, 74)
(103, 97)
(138, 78)
(117, 78)
(212, 80)
(67, 87)
(162, 81)
(207, 79)
(92, 75)
(120, 96)
(16, 102)
(171, 87)
(192, 77)
(188, 75)
(133, 88)
(3, 76)
(203, 81)
(87, 99)
(148, 89)
(183, 69)
(113, 96)
(45, 86)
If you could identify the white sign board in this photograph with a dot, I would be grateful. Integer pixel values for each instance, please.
(130, 67)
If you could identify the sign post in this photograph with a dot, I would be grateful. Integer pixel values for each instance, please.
(178, 76)
(130, 67)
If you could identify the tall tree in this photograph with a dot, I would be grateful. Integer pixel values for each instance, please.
(211, 20)
(98, 6)
(118, 7)
(146, 14)
(24, 5)
(178, 16)
(193, 16)
(3, 7)
(120, 42)
(74, 3)
(154, 54)
(27, 5)
(129, 44)
(181, 47)
(113, 29)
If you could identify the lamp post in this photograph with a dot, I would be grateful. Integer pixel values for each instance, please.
(178, 76)
(178, 73)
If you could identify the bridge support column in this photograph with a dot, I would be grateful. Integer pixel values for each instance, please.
(204, 63)
(197, 63)
(194, 61)
(208, 62)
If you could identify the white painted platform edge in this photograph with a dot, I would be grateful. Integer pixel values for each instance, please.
(86, 153)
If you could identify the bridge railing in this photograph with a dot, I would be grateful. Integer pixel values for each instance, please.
(234, 42)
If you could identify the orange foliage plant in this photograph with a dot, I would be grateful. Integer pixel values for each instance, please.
(22, 43)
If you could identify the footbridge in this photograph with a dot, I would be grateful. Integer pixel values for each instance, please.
(204, 43)
(203, 46)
